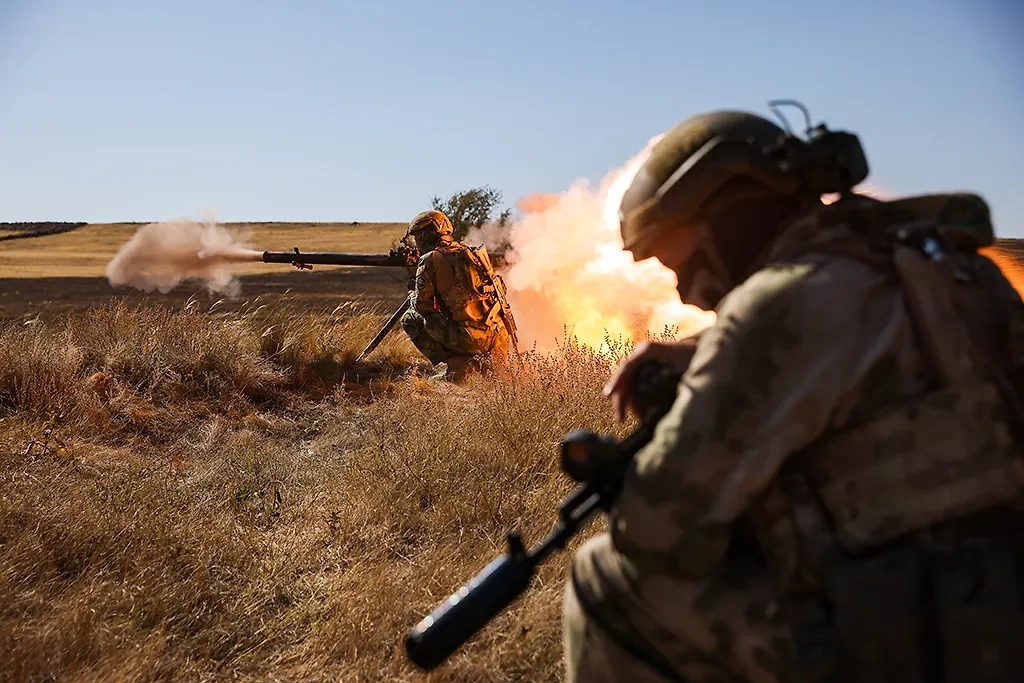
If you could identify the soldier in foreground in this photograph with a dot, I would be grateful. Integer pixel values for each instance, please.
(459, 315)
(835, 494)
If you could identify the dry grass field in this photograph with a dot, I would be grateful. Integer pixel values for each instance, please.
(190, 494)
(199, 495)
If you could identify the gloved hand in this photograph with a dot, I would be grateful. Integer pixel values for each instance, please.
(675, 355)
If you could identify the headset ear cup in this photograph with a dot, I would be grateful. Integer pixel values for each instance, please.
(828, 162)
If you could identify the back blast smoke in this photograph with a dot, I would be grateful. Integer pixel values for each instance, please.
(161, 255)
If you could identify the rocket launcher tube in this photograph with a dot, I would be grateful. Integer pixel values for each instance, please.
(403, 257)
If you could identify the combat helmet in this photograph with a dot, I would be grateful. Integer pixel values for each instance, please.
(730, 178)
(433, 220)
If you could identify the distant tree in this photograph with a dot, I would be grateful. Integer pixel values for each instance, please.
(471, 209)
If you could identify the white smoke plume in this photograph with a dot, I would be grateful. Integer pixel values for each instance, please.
(161, 255)
(568, 272)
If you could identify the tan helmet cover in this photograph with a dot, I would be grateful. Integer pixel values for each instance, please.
(433, 220)
(704, 163)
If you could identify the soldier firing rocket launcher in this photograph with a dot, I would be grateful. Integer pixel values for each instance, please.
(402, 256)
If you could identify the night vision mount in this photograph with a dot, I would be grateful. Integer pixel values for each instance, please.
(826, 161)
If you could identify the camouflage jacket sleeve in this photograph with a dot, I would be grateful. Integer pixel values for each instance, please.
(789, 348)
(423, 295)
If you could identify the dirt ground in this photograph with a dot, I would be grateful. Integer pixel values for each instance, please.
(317, 291)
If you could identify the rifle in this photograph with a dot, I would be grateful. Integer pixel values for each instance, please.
(597, 462)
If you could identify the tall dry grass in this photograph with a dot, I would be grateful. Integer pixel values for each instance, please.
(195, 496)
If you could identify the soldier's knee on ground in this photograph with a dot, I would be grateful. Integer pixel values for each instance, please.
(412, 324)
(415, 326)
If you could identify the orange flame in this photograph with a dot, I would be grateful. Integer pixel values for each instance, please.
(569, 273)
(1010, 265)
(537, 203)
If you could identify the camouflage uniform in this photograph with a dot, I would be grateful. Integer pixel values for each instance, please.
(851, 399)
(456, 316)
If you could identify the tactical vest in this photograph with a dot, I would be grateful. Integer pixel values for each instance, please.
(839, 516)
(472, 299)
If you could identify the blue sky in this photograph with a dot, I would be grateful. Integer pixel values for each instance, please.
(317, 110)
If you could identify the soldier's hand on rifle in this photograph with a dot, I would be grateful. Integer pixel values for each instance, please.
(677, 355)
